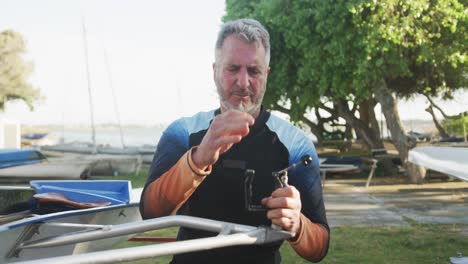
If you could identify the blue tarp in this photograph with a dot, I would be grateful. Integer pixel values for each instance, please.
(342, 160)
(84, 191)
(17, 157)
(34, 136)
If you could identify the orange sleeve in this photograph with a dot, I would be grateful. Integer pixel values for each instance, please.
(169, 192)
(312, 240)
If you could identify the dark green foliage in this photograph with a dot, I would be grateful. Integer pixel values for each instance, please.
(341, 49)
(455, 126)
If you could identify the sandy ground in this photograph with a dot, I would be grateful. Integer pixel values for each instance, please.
(391, 201)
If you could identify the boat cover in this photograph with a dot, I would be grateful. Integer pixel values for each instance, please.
(17, 157)
(86, 191)
(341, 160)
(449, 160)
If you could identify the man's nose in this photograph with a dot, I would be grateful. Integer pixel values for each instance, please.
(243, 79)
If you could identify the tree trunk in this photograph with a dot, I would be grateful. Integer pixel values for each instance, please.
(402, 142)
(370, 138)
(348, 133)
(439, 127)
(367, 129)
(433, 104)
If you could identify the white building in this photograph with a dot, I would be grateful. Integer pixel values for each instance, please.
(10, 134)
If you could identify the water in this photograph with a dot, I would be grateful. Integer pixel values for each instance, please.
(140, 135)
(110, 136)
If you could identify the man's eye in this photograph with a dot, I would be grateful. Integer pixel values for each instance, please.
(254, 71)
(233, 69)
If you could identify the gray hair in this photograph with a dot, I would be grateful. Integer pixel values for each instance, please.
(248, 29)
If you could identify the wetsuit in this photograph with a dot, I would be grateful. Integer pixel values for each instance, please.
(175, 184)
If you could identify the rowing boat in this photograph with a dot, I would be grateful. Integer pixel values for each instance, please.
(64, 208)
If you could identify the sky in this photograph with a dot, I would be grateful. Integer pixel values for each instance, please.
(155, 56)
(159, 56)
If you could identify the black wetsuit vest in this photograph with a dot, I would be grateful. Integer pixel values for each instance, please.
(271, 145)
(221, 195)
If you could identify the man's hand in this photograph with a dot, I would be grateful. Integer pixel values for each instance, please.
(226, 129)
(284, 208)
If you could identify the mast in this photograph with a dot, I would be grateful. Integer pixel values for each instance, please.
(114, 99)
(464, 127)
(91, 111)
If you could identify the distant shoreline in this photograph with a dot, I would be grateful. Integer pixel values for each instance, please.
(418, 125)
(28, 128)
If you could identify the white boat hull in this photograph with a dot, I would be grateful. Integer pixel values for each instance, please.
(72, 168)
(52, 170)
(43, 226)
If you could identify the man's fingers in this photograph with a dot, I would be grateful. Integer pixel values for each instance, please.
(289, 191)
(284, 206)
(227, 128)
(231, 125)
(227, 140)
(287, 219)
(287, 197)
(285, 223)
(282, 202)
(280, 213)
(236, 115)
(241, 129)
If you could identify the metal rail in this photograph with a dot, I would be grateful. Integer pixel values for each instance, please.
(229, 234)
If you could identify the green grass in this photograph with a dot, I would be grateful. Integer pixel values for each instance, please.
(414, 244)
(418, 243)
(168, 232)
(138, 179)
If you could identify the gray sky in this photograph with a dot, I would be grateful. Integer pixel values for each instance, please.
(159, 54)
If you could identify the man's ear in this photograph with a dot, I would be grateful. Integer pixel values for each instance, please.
(268, 70)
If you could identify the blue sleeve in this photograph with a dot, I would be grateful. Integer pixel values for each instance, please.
(172, 145)
(306, 179)
(308, 182)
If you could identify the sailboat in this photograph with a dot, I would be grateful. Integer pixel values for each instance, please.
(22, 166)
(120, 161)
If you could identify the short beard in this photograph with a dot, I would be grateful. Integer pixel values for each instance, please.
(253, 109)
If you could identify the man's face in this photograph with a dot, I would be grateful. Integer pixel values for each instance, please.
(240, 75)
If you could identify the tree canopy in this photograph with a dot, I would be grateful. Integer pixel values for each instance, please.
(14, 71)
(340, 49)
